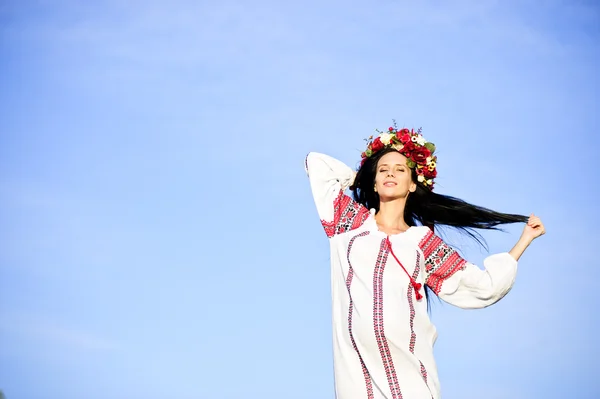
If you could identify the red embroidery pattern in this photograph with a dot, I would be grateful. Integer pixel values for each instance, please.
(423, 372)
(366, 374)
(384, 349)
(441, 261)
(347, 215)
(411, 306)
(413, 335)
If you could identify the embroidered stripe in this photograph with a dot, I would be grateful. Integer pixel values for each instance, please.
(441, 261)
(368, 383)
(413, 335)
(411, 306)
(384, 349)
(423, 372)
(347, 215)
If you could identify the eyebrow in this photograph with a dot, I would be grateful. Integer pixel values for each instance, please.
(398, 164)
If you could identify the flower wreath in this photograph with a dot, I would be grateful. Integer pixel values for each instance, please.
(411, 144)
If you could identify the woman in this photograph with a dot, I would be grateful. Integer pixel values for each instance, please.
(384, 253)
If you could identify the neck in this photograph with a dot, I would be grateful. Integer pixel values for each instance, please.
(391, 214)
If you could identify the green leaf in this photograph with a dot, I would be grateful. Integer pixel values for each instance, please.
(410, 163)
(430, 147)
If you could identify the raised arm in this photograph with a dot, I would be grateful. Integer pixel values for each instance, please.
(328, 180)
(473, 288)
(465, 285)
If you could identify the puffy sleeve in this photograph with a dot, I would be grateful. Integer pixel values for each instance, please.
(328, 179)
(461, 283)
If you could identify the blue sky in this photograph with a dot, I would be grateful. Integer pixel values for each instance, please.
(158, 237)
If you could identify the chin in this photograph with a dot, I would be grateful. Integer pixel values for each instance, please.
(390, 195)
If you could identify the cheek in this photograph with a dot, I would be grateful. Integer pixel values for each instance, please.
(379, 178)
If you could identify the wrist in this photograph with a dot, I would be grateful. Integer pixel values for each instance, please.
(525, 240)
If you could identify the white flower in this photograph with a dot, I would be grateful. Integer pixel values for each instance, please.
(421, 140)
(385, 138)
(398, 146)
(427, 160)
(421, 178)
(430, 182)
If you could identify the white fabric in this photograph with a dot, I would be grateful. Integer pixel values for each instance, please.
(382, 336)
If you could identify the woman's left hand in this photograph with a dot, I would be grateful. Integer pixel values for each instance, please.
(533, 229)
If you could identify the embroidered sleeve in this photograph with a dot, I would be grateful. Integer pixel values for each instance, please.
(461, 283)
(441, 260)
(328, 179)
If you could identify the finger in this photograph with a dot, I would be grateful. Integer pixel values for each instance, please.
(535, 220)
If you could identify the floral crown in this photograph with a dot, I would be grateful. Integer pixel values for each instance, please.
(411, 144)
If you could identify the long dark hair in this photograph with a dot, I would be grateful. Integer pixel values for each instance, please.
(427, 208)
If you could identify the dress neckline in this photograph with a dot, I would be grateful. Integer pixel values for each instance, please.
(375, 227)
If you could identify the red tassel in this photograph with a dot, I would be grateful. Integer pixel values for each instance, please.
(415, 285)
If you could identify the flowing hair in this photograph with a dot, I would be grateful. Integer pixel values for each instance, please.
(429, 209)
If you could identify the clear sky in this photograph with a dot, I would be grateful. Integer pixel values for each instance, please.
(158, 238)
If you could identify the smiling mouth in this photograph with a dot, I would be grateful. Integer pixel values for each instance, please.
(389, 184)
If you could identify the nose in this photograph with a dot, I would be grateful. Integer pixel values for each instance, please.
(390, 173)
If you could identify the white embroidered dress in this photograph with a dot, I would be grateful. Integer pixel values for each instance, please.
(382, 335)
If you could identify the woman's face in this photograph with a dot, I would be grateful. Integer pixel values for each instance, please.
(393, 178)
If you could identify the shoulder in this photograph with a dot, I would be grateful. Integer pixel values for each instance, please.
(422, 233)
(429, 242)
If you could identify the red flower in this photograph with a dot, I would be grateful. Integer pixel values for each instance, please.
(391, 129)
(363, 155)
(430, 174)
(377, 145)
(420, 155)
(404, 138)
(409, 146)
